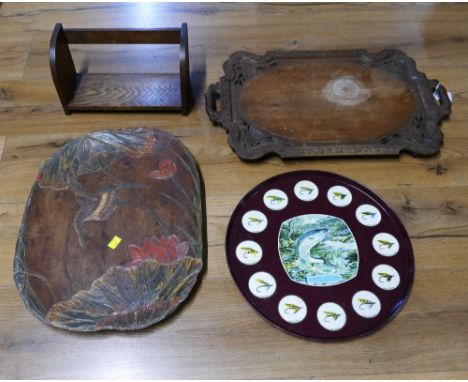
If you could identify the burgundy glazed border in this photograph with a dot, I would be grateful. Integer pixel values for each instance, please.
(392, 301)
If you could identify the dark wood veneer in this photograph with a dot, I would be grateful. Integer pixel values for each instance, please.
(128, 92)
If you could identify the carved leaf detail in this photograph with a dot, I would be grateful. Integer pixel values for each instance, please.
(91, 153)
(128, 297)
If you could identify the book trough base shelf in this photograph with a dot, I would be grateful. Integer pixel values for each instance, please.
(120, 91)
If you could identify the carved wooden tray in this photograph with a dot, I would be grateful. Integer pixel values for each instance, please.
(319, 255)
(327, 103)
(112, 234)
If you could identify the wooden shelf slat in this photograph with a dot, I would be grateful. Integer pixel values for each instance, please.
(95, 91)
(123, 36)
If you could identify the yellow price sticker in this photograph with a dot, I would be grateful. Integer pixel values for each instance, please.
(113, 244)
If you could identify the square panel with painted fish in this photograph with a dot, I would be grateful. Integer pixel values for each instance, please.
(318, 250)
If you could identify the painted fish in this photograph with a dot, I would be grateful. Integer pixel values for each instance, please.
(330, 316)
(309, 240)
(275, 199)
(305, 190)
(253, 220)
(365, 302)
(385, 276)
(338, 195)
(292, 308)
(385, 243)
(248, 251)
(264, 284)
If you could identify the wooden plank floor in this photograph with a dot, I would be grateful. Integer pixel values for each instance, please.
(217, 334)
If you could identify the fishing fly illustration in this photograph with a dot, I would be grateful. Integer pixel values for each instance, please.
(365, 303)
(330, 316)
(263, 285)
(305, 190)
(385, 276)
(367, 214)
(291, 308)
(254, 220)
(275, 199)
(246, 251)
(338, 195)
(385, 243)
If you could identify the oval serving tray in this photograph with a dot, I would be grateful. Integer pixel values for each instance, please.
(111, 236)
(327, 103)
(319, 255)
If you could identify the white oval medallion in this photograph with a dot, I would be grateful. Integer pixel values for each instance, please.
(385, 244)
(339, 196)
(292, 309)
(262, 285)
(275, 199)
(331, 316)
(366, 304)
(368, 215)
(249, 252)
(306, 190)
(254, 221)
(385, 277)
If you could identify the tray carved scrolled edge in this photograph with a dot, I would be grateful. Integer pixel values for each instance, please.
(420, 136)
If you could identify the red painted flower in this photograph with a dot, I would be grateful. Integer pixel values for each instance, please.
(40, 176)
(147, 148)
(165, 250)
(167, 168)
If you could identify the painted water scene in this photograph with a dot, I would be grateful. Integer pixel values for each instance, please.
(318, 250)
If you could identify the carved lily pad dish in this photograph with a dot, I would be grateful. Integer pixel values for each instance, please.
(112, 233)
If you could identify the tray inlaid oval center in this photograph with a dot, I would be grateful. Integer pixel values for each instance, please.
(329, 102)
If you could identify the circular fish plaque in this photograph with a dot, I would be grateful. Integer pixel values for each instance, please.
(333, 262)
(112, 232)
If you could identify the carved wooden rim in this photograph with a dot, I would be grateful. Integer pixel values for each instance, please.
(420, 136)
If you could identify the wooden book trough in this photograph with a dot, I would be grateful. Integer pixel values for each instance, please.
(119, 92)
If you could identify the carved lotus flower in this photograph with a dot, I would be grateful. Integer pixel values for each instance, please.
(165, 249)
(167, 168)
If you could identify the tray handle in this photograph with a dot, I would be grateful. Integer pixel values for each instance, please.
(212, 95)
(441, 95)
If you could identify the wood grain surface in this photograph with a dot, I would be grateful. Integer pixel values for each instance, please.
(98, 91)
(217, 334)
(281, 100)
